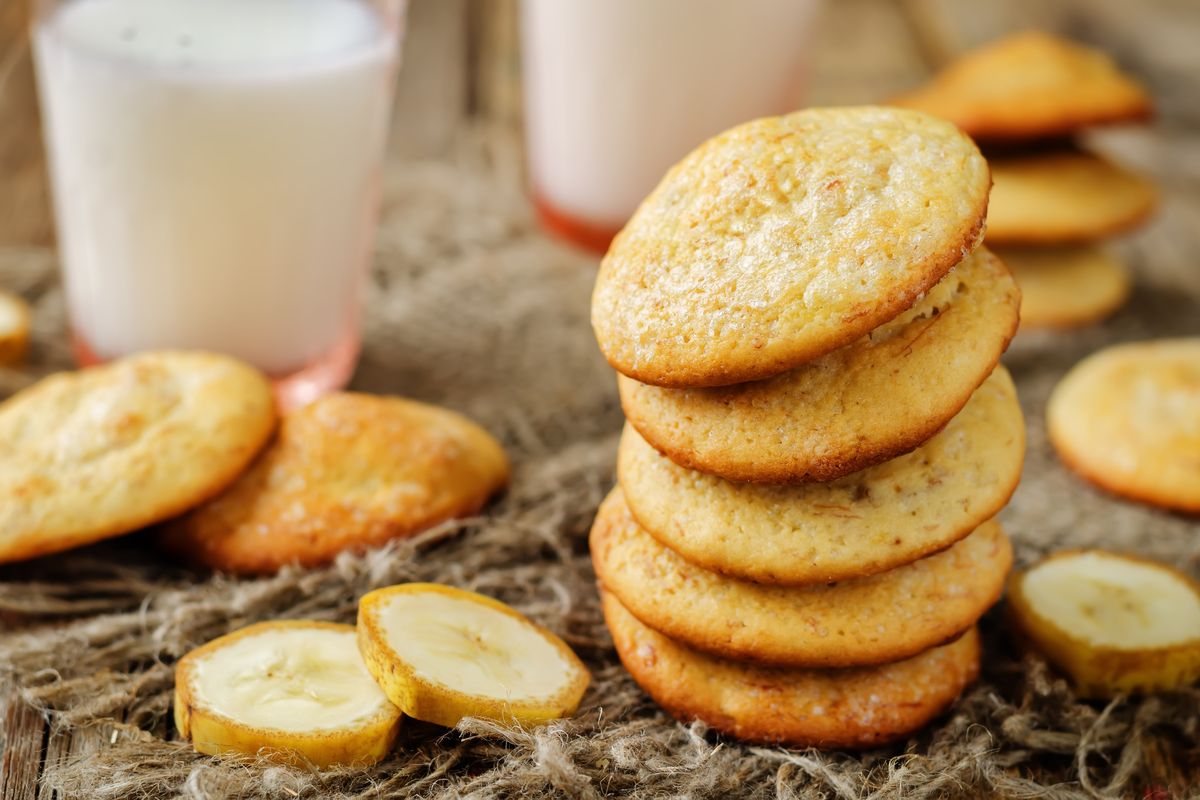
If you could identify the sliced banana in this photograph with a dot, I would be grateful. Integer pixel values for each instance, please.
(442, 654)
(1112, 623)
(295, 690)
(15, 320)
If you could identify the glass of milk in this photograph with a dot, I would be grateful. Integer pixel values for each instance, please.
(216, 172)
(616, 91)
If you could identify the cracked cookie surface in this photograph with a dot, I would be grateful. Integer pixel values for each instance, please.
(104, 451)
(785, 238)
(346, 472)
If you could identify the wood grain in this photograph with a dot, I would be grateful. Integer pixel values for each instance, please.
(25, 732)
(25, 197)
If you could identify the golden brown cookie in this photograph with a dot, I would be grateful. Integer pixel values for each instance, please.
(1067, 287)
(886, 617)
(865, 523)
(783, 239)
(1030, 86)
(857, 707)
(859, 405)
(104, 451)
(1064, 197)
(347, 472)
(1127, 418)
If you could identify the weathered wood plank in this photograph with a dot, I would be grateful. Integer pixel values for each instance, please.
(25, 198)
(62, 747)
(24, 735)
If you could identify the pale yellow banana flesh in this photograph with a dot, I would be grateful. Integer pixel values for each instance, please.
(442, 654)
(296, 690)
(1112, 623)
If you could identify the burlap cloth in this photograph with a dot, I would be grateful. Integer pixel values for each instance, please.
(472, 308)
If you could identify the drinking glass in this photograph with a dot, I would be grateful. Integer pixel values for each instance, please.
(616, 91)
(216, 171)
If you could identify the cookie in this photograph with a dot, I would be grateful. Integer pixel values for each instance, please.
(347, 472)
(1067, 287)
(869, 522)
(1064, 197)
(1127, 418)
(859, 405)
(104, 451)
(887, 617)
(783, 239)
(1030, 86)
(857, 707)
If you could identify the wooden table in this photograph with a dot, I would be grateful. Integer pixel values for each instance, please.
(866, 50)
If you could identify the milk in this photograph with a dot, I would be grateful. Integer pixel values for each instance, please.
(618, 90)
(215, 167)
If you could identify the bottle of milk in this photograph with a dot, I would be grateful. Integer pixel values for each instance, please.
(215, 167)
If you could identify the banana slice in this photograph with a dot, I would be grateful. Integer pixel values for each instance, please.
(442, 654)
(295, 690)
(15, 319)
(1112, 623)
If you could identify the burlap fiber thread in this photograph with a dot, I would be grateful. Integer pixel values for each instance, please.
(471, 307)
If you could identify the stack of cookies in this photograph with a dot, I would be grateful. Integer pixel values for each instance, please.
(807, 331)
(1026, 99)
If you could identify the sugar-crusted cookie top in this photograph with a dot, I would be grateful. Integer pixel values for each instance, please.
(838, 414)
(785, 238)
(345, 472)
(1030, 85)
(103, 451)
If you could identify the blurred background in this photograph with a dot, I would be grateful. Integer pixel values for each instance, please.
(461, 67)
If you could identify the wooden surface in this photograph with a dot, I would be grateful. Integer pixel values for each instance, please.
(24, 197)
(865, 50)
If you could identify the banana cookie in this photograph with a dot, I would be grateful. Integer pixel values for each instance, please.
(857, 707)
(349, 471)
(784, 239)
(1127, 418)
(1030, 86)
(1063, 197)
(104, 451)
(868, 522)
(886, 617)
(857, 406)
(1068, 286)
